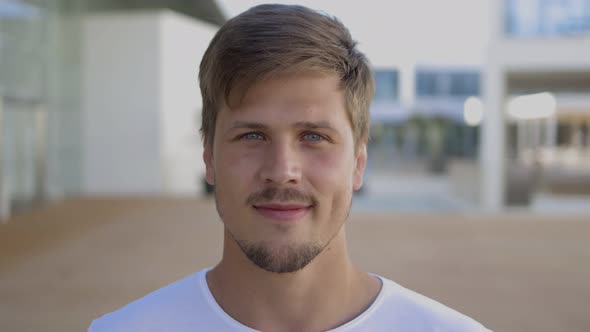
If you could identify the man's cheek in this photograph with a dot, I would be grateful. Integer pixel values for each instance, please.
(236, 166)
(332, 168)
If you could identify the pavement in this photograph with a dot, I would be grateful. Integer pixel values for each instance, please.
(69, 262)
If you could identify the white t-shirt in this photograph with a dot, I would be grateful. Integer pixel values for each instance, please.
(188, 305)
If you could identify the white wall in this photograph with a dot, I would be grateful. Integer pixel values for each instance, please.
(183, 43)
(546, 54)
(120, 102)
(140, 98)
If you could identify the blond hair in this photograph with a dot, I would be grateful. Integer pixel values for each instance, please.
(268, 40)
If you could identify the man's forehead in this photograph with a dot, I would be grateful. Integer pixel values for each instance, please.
(295, 88)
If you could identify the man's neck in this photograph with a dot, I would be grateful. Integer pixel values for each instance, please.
(327, 293)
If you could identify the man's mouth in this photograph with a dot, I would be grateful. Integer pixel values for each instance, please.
(283, 211)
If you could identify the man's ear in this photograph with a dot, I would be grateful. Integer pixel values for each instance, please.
(208, 159)
(359, 167)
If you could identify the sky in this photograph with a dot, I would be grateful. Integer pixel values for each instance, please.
(400, 32)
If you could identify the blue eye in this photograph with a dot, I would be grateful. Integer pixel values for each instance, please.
(313, 137)
(252, 136)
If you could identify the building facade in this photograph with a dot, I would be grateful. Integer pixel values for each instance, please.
(69, 125)
(536, 47)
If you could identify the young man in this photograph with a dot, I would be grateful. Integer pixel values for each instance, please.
(286, 99)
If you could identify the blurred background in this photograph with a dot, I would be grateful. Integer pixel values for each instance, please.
(477, 191)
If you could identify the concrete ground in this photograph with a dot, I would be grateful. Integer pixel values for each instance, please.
(65, 264)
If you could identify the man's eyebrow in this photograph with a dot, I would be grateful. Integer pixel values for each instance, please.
(249, 125)
(314, 125)
(300, 124)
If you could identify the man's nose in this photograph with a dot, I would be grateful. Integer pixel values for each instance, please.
(281, 164)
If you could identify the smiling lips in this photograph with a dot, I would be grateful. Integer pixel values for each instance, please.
(283, 212)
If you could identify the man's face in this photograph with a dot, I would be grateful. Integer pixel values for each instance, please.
(284, 166)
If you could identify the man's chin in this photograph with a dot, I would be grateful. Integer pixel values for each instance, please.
(284, 259)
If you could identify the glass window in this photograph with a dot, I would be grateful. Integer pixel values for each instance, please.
(464, 84)
(530, 18)
(426, 83)
(386, 85)
(430, 83)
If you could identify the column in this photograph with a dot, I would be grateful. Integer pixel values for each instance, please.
(493, 151)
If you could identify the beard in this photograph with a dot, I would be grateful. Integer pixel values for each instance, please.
(288, 258)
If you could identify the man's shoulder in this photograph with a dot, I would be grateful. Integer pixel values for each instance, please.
(171, 303)
(416, 312)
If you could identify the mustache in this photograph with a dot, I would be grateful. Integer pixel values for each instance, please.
(280, 195)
